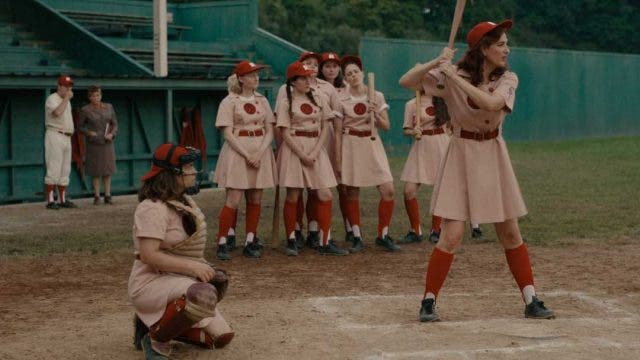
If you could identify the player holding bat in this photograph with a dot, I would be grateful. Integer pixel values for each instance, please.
(476, 181)
(361, 157)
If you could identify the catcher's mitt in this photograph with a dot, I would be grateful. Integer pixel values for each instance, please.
(221, 282)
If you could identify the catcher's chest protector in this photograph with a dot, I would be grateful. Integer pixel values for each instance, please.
(193, 246)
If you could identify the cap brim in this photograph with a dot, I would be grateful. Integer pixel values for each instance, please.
(507, 24)
(155, 170)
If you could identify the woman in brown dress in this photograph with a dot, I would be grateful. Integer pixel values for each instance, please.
(361, 155)
(303, 162)
(246, 164)
(99, 124)
(476, 181)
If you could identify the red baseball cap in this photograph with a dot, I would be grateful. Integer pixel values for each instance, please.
(245, 67)
(65, 80)
(330, 56)
(481, 29)
(307, 54)
(297, 68)
(171, 157)
(348, 59)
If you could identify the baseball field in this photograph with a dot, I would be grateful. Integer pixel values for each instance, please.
(63, 277)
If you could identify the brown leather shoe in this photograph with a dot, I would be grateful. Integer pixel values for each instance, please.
(96, 200)
(107, 200)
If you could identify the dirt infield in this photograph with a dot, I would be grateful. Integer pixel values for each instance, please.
(356, 307)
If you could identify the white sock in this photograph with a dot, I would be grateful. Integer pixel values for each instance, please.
(292, 236)
(232, 232)
(222, 240)
(313, 225)
(298, 227)
(430, 296)
(475, 226)
(356, 230)
(249, 239)
(528, 292)
(347, 225)
(385, 231)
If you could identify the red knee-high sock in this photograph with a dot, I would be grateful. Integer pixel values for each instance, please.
(227, 215)
(324, 219)
(436, 221)
(385, 210)
(413, 211)
(312, 207)
(290, 212)
(299, 211)
(342, 200)
(437, 270)
(353, 212)
(520, 266)
(253, 217)
(49, 192)
(62, 193)
(235, 220)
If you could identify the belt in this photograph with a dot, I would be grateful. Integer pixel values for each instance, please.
(62, 132)
(479, 136)
(310, 134)
(436, 131)
(251, 133)
(358, 133)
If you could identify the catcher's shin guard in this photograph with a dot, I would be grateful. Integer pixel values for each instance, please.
(198, 303)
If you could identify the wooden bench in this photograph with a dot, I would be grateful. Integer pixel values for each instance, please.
(124, 24)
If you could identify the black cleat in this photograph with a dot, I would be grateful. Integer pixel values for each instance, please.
(259, 243)
(348, 237)
(411, 237)
(139, 331)
(52, 206)
(299, 239)
(537, 310)
(476, 233)
(313, 240)
(434, 236)
(223, 252)
(332, 249)
(428, 311)
(231, 242)
(356, 245)
(251, 250)
(149, 352)
(387, 243)
(68, 205)
(292, 249)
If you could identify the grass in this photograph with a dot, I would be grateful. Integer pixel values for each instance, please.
(583, 190)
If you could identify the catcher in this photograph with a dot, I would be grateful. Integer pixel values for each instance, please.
(173, 289)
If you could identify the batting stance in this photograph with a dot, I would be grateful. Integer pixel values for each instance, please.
(173, 289)
(57, 143)
(476, 181)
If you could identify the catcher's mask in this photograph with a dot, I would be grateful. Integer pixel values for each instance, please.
(172, 157)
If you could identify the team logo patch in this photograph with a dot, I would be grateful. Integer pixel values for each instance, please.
(431, 111)
(249, 108)
(306, 109)
(472, 104)
(359, 108)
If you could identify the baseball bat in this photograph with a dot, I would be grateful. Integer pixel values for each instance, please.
(455, 24)
(417, 127)
(371, 95)
(275, 225)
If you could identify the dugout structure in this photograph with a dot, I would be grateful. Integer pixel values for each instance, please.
(110, 43)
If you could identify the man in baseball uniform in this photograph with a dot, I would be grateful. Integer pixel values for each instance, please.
(57, 143)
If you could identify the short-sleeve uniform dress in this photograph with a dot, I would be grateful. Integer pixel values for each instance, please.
(476, 181)
(248, 117)
(304, 125)
(364, 161)
(426, 154)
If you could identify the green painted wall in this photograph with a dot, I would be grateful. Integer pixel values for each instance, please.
(562, 94)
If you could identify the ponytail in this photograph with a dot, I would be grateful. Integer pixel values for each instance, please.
(233, 84)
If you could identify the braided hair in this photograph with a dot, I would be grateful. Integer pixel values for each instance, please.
(309, 94)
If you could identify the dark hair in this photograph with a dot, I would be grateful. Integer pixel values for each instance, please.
(289, 97)
(473, 59)
(163, 186)
(442, 111)
(338, 82)
(93, 89)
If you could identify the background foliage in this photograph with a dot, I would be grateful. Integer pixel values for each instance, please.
(322, 25)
